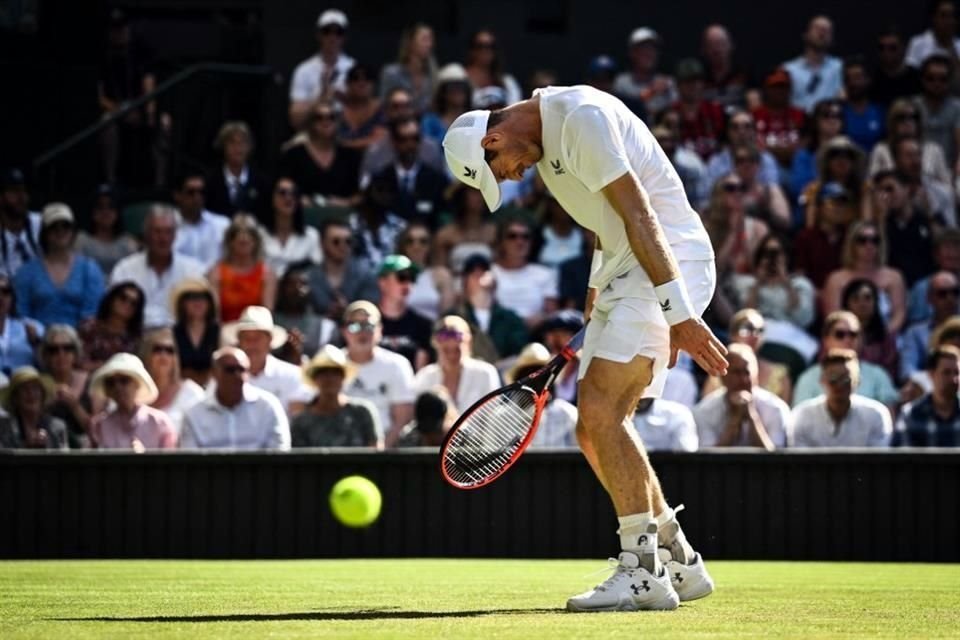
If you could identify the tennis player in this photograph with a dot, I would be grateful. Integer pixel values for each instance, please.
(652, 277)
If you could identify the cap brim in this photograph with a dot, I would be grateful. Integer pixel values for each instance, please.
(490, 188)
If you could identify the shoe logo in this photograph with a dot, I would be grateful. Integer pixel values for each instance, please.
(557, 169)
(636, 589)
(470, 173)
(677, 577)
(665, 306)
(642, 540)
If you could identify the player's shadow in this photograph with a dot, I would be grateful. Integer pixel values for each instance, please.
(367, 614)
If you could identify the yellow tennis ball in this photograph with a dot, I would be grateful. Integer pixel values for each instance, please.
(355, 501)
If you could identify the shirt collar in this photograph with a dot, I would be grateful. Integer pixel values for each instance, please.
(230, 178)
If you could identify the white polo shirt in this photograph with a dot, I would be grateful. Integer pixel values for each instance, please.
(867, 424)
(710, 414)
(477, 379)
(590, 138)
(385, 381)
(284, 380)
(667, 426)
(202, 240)
(156, 287)
(525, 290)
(257, 422)
(305, 84)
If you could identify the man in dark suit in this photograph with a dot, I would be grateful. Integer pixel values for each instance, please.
(419, 187)
(235, 185)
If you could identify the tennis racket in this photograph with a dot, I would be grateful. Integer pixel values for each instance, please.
(490, 436)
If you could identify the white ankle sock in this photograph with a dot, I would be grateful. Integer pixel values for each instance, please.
(633, 532)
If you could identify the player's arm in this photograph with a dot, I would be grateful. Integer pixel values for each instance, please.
(649, 244)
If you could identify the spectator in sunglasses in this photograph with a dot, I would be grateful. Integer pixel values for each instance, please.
(815, 74)
(840, 161)
(865, 256)
(433, 291)
(527, 289)
(129, 422)
(196, 226)
(485, 68)
(105, 240)
(465, 378)
(383, 377)
(362, 117)
(892, 78)
(323, 75)
(174, 394)
(943, 294)
(288, 238)
(27, 422)
(863, 119)
(308, 330)
(59, 357)
(340, 278)
(117, 327)
(946, 257)
(879, 345)
(383, 153)
(405, 330)
(841, 330)
(773, 289)
(940, 110)
(904, 121)
(909, 230)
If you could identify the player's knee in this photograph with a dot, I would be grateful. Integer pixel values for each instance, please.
(595, 413)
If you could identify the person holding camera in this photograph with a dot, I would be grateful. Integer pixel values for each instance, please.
(772, 289)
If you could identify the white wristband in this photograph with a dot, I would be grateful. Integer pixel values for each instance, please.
(597, 262)
(674, 301)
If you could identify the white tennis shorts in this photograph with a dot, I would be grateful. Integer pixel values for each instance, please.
(626, 320)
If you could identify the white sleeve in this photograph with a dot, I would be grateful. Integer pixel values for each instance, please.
(402, 389)
(786, 424)
(594, 147)
(706, 430)
(187, 439)
(882, 434)
(300, 85)
(686, 431)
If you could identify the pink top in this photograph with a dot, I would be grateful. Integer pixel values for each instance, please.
(148, 428)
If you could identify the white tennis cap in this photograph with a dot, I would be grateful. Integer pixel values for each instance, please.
(465, 156)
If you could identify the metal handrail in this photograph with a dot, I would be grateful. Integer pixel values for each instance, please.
(169, 83)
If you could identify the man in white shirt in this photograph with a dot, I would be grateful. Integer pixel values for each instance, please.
(236, 415)
(527, 289)
(741, 413)
(815, 75)
(940, 38)
(19, 227)
(324, 74)
(653, 276)
(199, 232)
(841, 418)
(665, 426)
(383, 377)
(256, 335)
(158, 268)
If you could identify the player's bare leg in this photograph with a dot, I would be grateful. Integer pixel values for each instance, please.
(608, 393)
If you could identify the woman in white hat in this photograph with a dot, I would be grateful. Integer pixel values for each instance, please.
(131, 423)
(332, 419)
(452, 97)
(559, 421)
(174, 394)
(30, 425)
(466, 379)
(58, 286)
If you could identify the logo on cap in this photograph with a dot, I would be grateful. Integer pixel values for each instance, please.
(469, 173)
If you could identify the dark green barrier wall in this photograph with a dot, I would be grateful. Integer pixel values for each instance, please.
(828, 506)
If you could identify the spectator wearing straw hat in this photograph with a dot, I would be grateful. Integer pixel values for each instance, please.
(466, 379)
(257, 335)
(332, 419)
(132, 423)
(197, 327)
(29, 424)
(236, 414)
(559, 422)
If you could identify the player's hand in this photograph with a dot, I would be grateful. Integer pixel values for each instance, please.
(693, 336)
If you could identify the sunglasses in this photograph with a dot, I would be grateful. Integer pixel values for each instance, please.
(888, 46)
(405, 277)
(234, 369)
(734, 187)
(518, 235)
(399, 104)
(168, 349)
(951, 292)
(60, 348)
(833, 114)
(194, 295)
(448, 334)
(843, 334)
(324, 117)
(195, 191)
(939, 78)
(839, 380)
(341, 240)
(284, 193)
(117, 381)
(424, 240)
(359, 327)
(332, 31)
(864, 240)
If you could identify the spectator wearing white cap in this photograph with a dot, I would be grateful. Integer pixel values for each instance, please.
(131, 423)
(324, 74)
(383, 377)
(415, 69)
(61, 286)
(235, 414)
(641, 81)
(452, 97)
(559, 421)
(256, 334)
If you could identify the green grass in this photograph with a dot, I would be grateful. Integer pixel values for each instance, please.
(460, 599)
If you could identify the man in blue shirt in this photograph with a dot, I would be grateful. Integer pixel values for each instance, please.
(863, 120)
(815, 75)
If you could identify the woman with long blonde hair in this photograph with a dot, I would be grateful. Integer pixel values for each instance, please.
(242, 278)
(415, 69)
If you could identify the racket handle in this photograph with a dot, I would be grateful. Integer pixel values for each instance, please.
(576, 341)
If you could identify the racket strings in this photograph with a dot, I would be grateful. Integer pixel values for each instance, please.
(487, 439)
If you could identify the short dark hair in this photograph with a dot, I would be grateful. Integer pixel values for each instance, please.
(940, 353)
(855, 60)
(332, 222)
(182, 178)
(496, 118)
(947, 237)
(135, 323)
(838, 356)
(299, 222)
(396, 125)
(935, 59)
(883, 174)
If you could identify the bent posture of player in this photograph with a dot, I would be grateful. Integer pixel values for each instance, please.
(653, 276)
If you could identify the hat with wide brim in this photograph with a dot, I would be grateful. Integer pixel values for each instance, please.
(329, 357)
(533, 355)
(22, 376)
(126, 364)
(191, 285)
(255, 318)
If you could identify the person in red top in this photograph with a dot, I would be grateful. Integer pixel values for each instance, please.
(242, 277)
(701, 120)
(817, 249)
(779, 126)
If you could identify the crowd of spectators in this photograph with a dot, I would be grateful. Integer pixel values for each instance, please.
(361, 297)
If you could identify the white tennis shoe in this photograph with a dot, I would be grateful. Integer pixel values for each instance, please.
(690, 581)
(630, 588)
